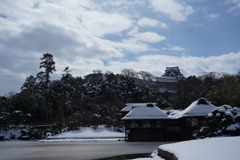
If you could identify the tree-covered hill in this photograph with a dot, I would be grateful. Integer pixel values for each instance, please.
(98, 97)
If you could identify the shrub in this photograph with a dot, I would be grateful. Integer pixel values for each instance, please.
(223, 121)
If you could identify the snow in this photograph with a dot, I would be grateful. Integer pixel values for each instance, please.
(142, 111)
(81, 140)
(154, 156)
(233, 127)
(220, 148)
(174, 113)
(18, 111)
(89, 133)
(196, 109)
(129, 106)
(234, 112)
(16, 132)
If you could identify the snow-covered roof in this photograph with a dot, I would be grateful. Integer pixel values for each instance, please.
(174, 113)
(130, 106)
(145, 111)
(200, 107)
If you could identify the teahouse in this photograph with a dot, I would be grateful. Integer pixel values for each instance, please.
(145, 122)
(148, 122)
(192, 117)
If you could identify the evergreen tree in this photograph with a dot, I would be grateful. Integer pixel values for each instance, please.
(227, 91)
(48, 64)
(29, 84)
(67, 91)
(223, 121)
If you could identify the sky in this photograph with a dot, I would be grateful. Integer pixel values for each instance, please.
(198, 36)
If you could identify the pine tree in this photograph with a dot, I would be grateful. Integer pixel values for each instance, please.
(48, 64)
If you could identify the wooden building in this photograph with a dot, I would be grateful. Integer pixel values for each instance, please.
(146, 122)
(193, 116)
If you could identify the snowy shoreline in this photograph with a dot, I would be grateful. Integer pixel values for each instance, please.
(220, 148)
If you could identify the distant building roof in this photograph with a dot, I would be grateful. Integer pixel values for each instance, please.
(167, 79)
(200, 107)
(129, 106)
(145, 111)
(172, 68)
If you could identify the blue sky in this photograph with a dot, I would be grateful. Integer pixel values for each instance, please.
(111, 35)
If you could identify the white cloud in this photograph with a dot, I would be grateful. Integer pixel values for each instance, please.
(175, 10)
(130, 45)
(175, 48)
(163, 25)
(236, 6)
(150, 37)
(189, 65)
(124, 3)
(100, 23)
(212, 17)
(151, 23)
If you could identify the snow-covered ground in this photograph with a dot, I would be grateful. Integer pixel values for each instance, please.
(154, 156)
(88, 133)
(220, 148)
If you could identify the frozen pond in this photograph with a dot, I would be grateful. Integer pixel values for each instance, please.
(22, 150)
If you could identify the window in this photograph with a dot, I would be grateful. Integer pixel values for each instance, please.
(134, 124)
(192, 122)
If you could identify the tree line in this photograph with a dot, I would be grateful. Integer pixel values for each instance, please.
(71, 102)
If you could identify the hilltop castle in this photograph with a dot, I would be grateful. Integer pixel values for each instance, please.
(171, 75)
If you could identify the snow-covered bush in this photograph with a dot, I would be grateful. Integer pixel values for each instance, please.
(223, 121)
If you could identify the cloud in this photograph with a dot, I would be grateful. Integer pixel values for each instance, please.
(87, 35)
(175, 48)
(236, 6)
(189, 65)
(175, 10)
(143, 22)
(212, 17)
(150, 37)
(100, 23)
(123, 3)
(130, 45)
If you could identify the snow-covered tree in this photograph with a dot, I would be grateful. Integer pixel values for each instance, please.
(30, 83)
(48, 64)
(223, 121)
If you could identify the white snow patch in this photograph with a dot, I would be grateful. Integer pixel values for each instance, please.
(81, 140)
(154, 156)
(89, 133)
(16, 132)
(221, 148)
(233, 127)
(174, 113)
